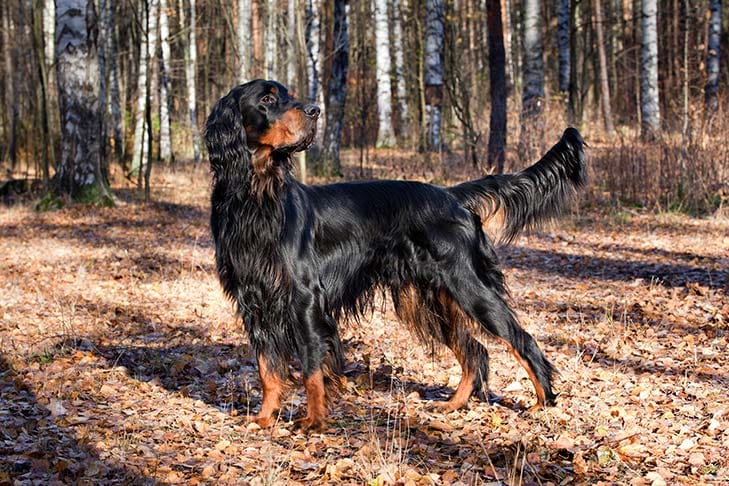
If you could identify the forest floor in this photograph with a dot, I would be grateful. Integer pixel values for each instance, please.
(121, 360)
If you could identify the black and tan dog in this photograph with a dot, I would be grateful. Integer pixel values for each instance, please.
(297, 258)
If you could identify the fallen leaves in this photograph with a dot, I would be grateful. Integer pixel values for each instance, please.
(121, 361)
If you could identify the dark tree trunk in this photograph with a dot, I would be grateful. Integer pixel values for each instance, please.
(563, 45)
(497, 78)
(337, 92)
(607, 111)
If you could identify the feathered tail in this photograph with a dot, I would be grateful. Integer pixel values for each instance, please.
(511, 203)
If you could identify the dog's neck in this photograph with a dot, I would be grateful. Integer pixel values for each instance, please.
(270, 175)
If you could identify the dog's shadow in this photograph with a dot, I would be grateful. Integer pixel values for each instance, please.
(225, 376)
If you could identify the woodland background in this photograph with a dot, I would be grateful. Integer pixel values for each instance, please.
(122, 362)
(484, 81)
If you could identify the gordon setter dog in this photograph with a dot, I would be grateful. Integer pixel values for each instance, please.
(296, 259)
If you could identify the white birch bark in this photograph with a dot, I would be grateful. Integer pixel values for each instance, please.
(711, 90)
(145, 87)
(139, 147)
(117, 122)
(165, 143)
(385, 137)
(291, 39)
(433, 74)
(190, 73)
(79, 171)
(397, 39)
(314, 64)
(270, 54)
(49, 31)
(649, 107)
(243, 38)
(533, 92)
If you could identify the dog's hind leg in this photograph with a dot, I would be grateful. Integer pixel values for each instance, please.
(435, 316)
(474, 361)
(485, 305)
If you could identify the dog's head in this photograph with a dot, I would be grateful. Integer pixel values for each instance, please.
(255, 127)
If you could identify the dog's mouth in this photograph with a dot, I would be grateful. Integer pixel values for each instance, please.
(306, 141)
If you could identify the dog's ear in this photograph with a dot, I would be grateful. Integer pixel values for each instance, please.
(225, 136)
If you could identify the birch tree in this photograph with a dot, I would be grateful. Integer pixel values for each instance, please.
(712, 58)
(165, 143)
(385, 137)
(314, 65)
(140, 152)
(79, 174)
(433, 71)
(649, 107)
(243, 37)
(532, 99)
(337, 92)
(399, 74)
(291, 15)
(271, 50)
(190, 76)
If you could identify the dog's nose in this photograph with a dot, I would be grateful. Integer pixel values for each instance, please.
(312, 111)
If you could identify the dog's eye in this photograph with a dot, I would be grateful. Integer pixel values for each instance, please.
(268, 100)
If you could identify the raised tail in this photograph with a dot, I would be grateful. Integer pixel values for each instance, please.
(511, 203)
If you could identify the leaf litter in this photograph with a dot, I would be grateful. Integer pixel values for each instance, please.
(121, 361)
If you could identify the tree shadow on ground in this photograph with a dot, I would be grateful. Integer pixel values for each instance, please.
(567, 265)
(35, 449)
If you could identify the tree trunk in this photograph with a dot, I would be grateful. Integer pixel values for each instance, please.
(11, 98)
(433, 73)
(271, 51)
(141, 155)
(116, 104)
(508, 45)
(685, 135)
(385, 137)
(312, 50)
(256, 39)
(650, 108)
(532, 100)
(79, 171)
(38, 47)
(712, 58)
(577, 56)
(497, 79)
(337, 92)
(190, 76)
(104, 57)
(563, 45)
(399, 74)
(604, 82)
(243, 36)
(165, 142)
(292, 58)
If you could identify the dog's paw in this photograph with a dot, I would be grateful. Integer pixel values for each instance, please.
(262, 422)
(310, 424)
